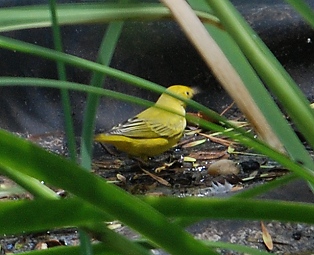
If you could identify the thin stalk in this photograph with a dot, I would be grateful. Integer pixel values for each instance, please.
(16, 45)
(85, 241)
(304, 9)
(104, 57)
(261, 189)
(236, 247)
(66, 105)
(100, 249)
(36, 16)
(252, 192)
(119, 243)
(233, 208)
(32, 185)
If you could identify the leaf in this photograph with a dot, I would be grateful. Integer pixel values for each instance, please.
(157, 178)
(189, 159)
(207, 155)
(268, 241)
(194, 143)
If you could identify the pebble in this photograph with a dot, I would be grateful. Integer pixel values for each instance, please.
(223, 167)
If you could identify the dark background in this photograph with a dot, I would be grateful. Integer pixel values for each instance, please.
(157, 51)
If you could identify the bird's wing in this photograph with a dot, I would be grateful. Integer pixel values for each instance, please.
(143, 128)
(170, 128)
(134, 127)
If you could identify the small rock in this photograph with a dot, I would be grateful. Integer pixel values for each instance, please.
(223, 167)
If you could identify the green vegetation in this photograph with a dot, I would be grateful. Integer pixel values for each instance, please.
(94, 200)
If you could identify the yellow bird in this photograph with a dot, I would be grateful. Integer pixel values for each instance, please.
(154, 130)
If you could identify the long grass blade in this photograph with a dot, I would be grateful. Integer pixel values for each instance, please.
(132, 211)
(273, 74)
(104, 57)
(304, 9)
(85, 242)
(37, 16)
(16, 45)
(215, 208)
(67, 109)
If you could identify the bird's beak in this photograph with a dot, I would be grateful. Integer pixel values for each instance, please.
(196, 90)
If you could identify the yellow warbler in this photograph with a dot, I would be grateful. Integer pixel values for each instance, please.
(154, 130)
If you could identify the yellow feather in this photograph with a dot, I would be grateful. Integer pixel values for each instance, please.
(154, 130)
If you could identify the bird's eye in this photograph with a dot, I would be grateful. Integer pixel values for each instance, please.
(187, 93)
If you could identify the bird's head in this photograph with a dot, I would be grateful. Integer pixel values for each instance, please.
(180, 90)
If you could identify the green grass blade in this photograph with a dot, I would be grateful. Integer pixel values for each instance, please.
(32, 185)
(85, 242)
(236, 247)
(86, 216)
(304, 9)
(69, 130)
(36, 16)
(257, 90)
(47, 211)
(248, 209)
(99, 249)
(272, 73)
(130, 210)
(104, 57)
(117, 242)
(16, 45)
(202, 208)
(259, 146)
(255, 191)
(50, 83)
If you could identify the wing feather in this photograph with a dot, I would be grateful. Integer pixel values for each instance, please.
(142, 128)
